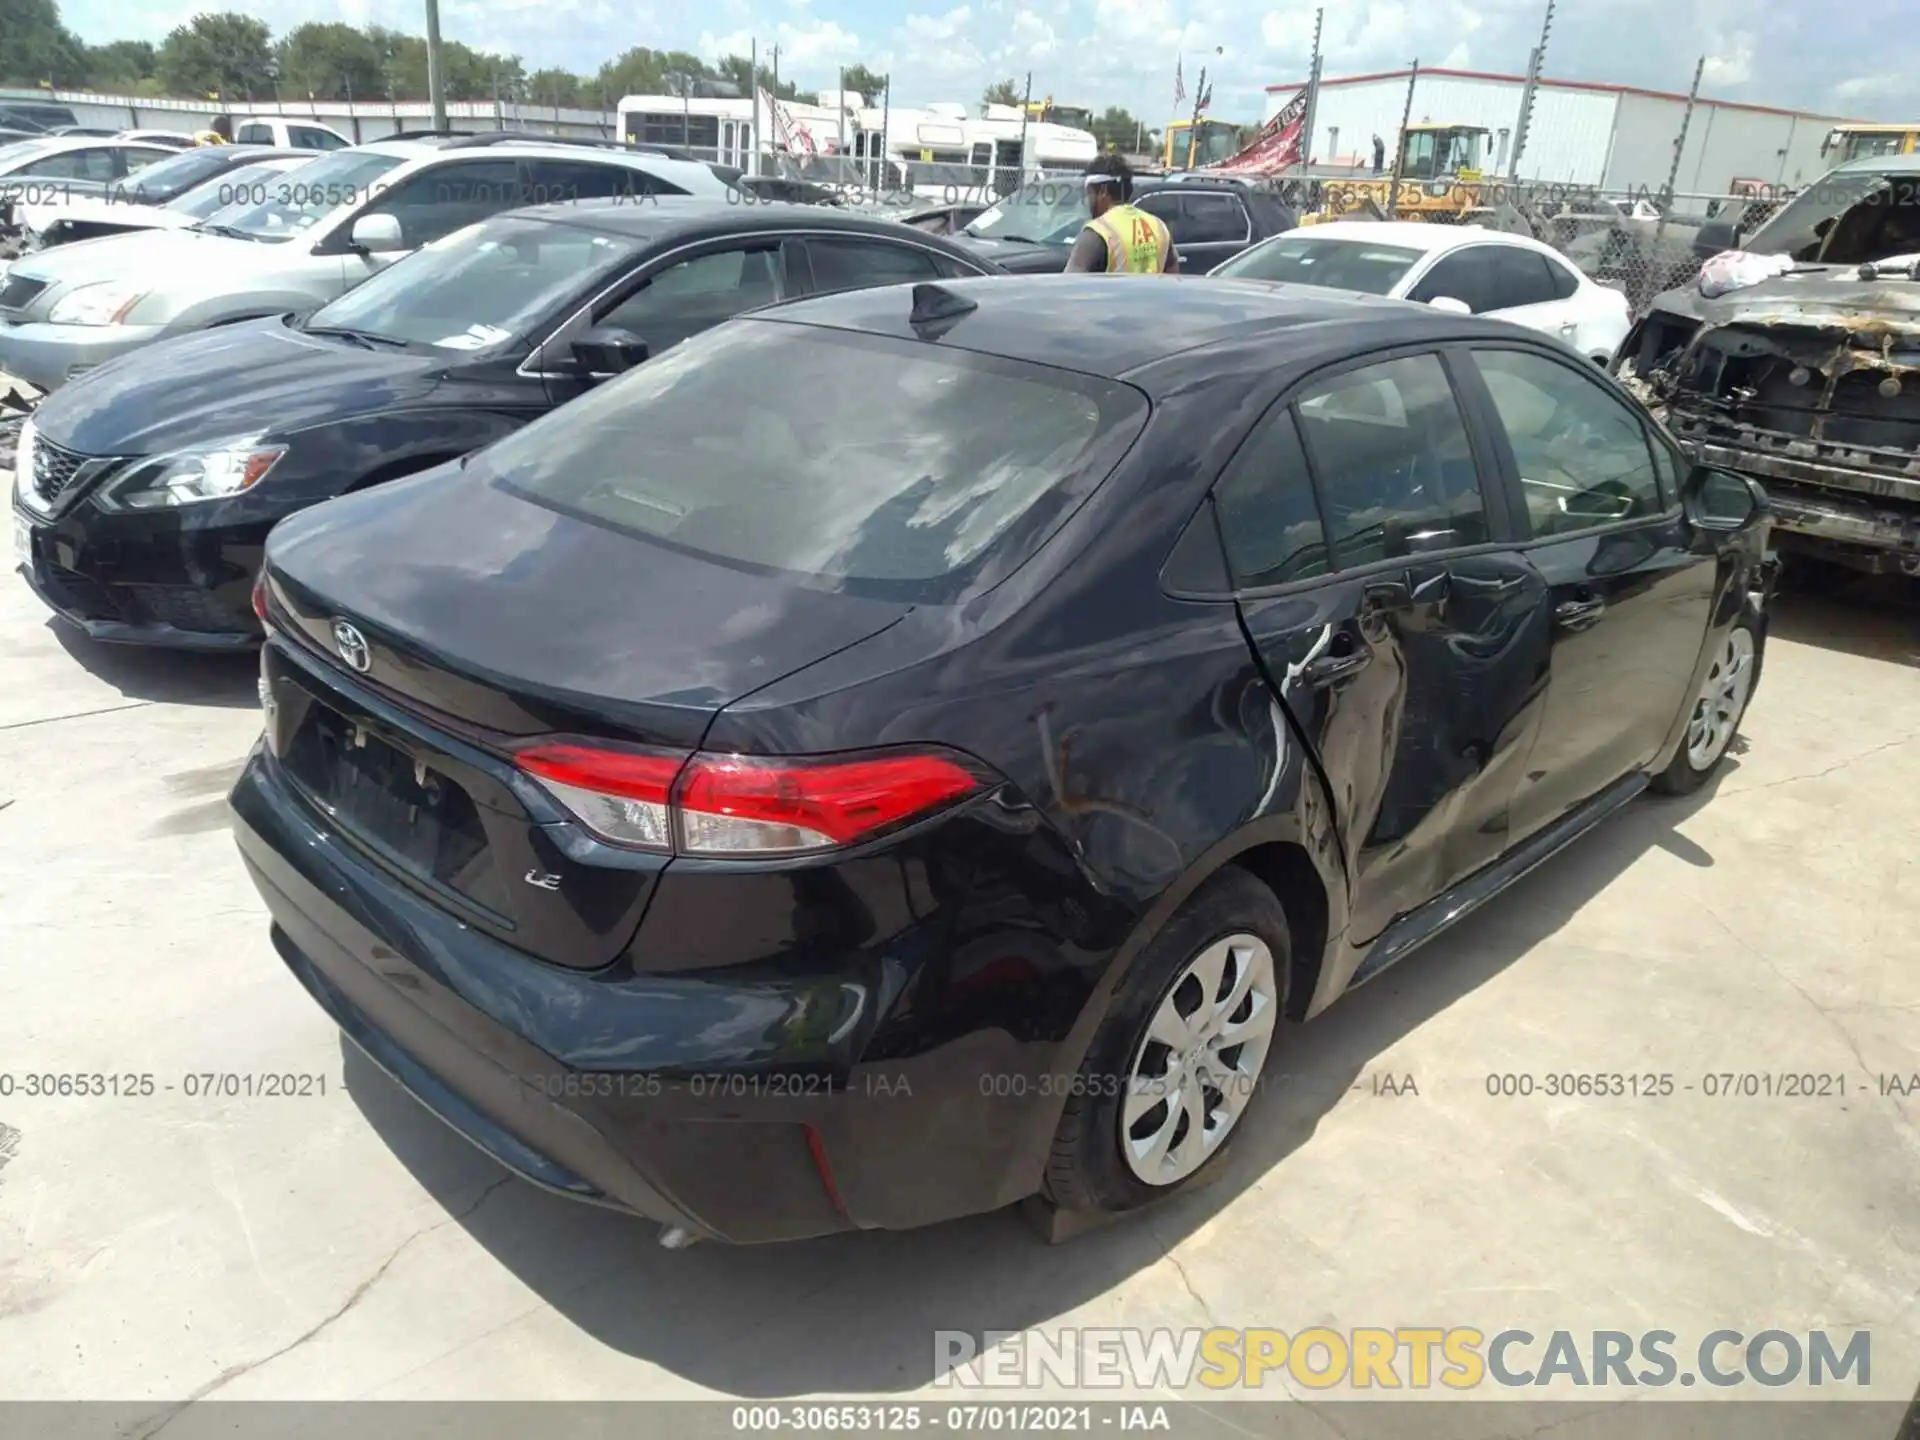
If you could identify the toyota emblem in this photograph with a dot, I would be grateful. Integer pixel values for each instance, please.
(352, 646)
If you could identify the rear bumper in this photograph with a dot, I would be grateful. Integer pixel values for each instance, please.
(50, 355)
(525, 1059)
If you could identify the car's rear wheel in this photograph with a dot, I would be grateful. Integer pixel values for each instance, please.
(1717, 709)
(1172, 1072)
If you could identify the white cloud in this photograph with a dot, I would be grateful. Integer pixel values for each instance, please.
(1731, 61)
(812, 48)
(1031, 36)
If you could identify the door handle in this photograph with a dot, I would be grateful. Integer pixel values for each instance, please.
(1579, 614)
(1331, 669)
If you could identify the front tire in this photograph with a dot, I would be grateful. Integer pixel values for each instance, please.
(1174, 1068)
(1718, 707)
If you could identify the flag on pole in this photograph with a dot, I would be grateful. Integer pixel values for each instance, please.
(1277, 145)
(1179, 83)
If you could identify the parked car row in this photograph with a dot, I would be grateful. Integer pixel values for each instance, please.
(777, 725)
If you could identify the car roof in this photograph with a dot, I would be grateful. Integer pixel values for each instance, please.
(1880, 164)
(1118, 325)
(665, 167)
(692, 217)
(1415, 235)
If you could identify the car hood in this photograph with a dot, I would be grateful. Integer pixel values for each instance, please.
(1812, 296)
(87, 208)
(260, 377)
(1022, 257)
(490, 607)
(166, 259)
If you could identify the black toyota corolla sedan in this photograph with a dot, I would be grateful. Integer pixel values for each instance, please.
(146, 488)
(900, 752)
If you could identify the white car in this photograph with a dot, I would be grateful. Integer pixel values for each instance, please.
(285, 134)
(178, 191)
(1485, 272)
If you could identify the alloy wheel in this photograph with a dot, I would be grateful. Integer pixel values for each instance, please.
(1199, 1064)
(1723, 696)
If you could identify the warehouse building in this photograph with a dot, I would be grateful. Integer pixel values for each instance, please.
(1614, 137)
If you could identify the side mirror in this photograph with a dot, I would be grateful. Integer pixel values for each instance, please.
(1714, 236)
(377, 235)
(1450, 305)
(1721, 500)
(609, 350)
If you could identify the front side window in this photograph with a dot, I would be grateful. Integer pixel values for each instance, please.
(306, 137)
(1392, 460)
(697, 294)
(444, 198)
(1582, 454)
(289, 204)
(480, 288)
(1465, 275)
(1358, 265)
(850, 462)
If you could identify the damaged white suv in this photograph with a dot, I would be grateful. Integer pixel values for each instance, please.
(1796, 361)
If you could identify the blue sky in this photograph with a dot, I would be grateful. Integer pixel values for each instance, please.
(1841, 61)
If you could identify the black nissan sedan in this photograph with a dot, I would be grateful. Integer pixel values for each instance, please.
(928, 789)
(147, 487)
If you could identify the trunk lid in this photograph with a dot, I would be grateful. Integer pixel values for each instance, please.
(490, 620)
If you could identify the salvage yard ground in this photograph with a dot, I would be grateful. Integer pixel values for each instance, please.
(347, 1245)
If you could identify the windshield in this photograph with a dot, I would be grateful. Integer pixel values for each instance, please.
(293, 203)
(240, 188)
(159, 182)
(1217, 142)
(1051, 214)
(1331, 264)
(479, 287)
(874, 475)
(1845, 219)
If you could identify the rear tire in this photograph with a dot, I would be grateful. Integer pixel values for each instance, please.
(1716, 710)
(1175, 1066)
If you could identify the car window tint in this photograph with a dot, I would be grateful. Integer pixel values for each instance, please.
(93, 165)
(1464, 276)
(444, 198)
(1165, 204)
(1582, 454)
(1392, 459)
(254, 135)
(699, 293)
(306, 137)
(1269, 519)
(1520, 277)
(562, 181)
(1563, 280)
(1210, 219)
(849, 264)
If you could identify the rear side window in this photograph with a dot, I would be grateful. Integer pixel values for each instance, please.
(845, 263)
(1392, 460)
(254, 135)
(1563, 280)
(849, 461)
(1269, 520)
(1209, 219)
(563, 181)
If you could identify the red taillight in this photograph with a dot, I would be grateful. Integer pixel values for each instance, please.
(260, 599)
(621, 795)
(736, 805)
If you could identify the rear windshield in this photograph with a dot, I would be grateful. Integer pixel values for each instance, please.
(1358, 265)
(885, 467)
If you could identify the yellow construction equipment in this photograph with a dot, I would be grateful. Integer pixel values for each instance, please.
(1858, 142)
(1439, 178)
(1186, 146)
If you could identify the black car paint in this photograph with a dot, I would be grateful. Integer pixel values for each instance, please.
(352, 418)
(1146, 728)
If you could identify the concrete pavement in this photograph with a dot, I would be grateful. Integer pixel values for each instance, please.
(155, 1247)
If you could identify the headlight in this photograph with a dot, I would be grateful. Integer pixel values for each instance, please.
(106, 303)
(187, 477)
(23, 466)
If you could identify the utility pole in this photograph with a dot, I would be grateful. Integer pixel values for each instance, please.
(436, 67)
(843, 111)
(752, 167)
(1534, 62)
(1193, 125)
(1313, 98)
(1679, 144)
(1400, 146)
(1026, 107)
(886, 136)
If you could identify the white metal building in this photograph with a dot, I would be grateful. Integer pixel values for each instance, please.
(1615, 137)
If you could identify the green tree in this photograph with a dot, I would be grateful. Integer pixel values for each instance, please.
(331, 61)
(862, 81)
(225, 55)
(556, 87)
(120, 65)
(1116, 129)
(35, 47)
(1003, 92)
